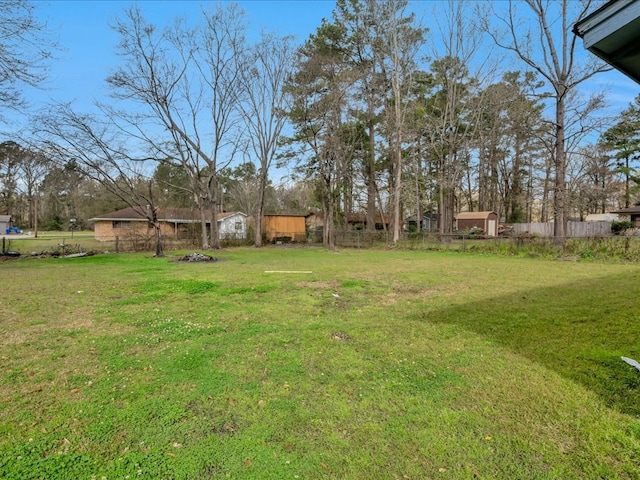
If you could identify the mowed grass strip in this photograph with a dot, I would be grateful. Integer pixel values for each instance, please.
(377, 364)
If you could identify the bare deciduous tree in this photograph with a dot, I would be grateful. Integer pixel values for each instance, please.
(25, 48)
(187, 82)
(268, 66)
(101, 154)
(542, 39)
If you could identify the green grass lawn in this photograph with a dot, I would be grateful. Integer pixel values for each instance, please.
(378, 364)
(52, 241)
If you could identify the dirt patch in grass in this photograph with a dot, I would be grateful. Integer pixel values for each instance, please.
(341, 336)
(413, 294)
(330, 284)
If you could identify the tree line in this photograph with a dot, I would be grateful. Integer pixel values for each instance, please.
(374, 114)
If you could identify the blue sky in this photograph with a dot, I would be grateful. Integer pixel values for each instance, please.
(88, 44)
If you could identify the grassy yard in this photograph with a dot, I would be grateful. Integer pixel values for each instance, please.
(52, 241)
(284, 363)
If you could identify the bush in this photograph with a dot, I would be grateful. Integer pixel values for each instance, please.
(53, 225)
(619, 228)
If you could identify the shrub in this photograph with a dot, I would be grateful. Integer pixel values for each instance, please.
(53, 225)
(619, 228)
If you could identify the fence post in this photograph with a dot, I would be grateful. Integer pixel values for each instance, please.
(117, 244)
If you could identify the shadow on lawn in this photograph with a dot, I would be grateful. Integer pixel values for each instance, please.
(579, 330)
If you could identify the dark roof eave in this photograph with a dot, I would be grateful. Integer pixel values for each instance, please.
(627, 211)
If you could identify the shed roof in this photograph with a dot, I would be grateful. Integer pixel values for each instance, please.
(5, 218)
(474, 215)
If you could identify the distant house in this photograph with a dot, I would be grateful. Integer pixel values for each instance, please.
(314, 221)
(232, 226)
(315, 227)
(601, 217)
(174, 222)
(487, 221)
(633, 213)
(284, 228)
(358, 221)
(429, 223)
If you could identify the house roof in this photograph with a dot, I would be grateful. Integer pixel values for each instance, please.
(175, 215)
(612, 32)
(474, 215)
(230, 214)
(628, 211)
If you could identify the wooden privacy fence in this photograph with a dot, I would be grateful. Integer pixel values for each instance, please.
(362, 239)
(574, 229)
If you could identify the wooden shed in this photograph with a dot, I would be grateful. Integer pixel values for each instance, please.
(487, 221)
(284, 228)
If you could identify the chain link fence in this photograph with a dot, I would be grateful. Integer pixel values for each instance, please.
(606, 246)
(596, 246)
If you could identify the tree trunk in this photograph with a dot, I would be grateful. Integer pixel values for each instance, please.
(331, 238)
(215, 235)
(157, 232)
(514, 203)
(203, 225)
(559, 201)
(397, 188)
(35, 216)
(627, 195)
(328, 206)
(371, 180)
(158, 240)
(447, 195)
(482, 177)
(260, 212)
